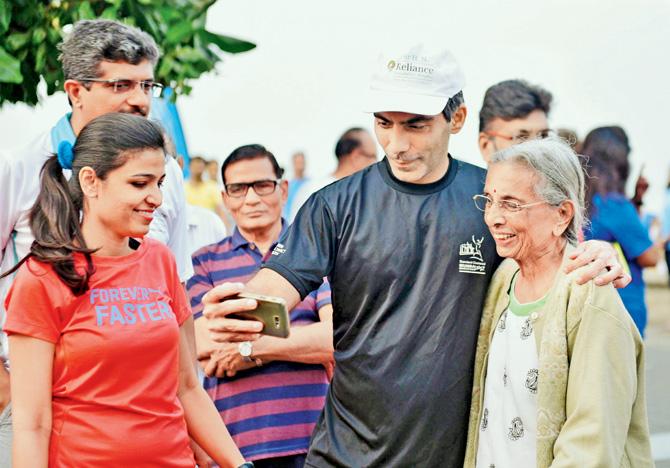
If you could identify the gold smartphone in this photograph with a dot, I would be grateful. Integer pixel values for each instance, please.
(271, 311)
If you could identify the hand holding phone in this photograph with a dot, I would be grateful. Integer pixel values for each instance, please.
(271, 312)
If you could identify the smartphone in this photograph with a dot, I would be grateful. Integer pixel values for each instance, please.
(271, 311)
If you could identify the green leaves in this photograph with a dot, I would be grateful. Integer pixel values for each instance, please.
(85, 11)
(226, 43)
(10, 68)
(30, 31)
(179, 33)
(5, 15)
(17, 40)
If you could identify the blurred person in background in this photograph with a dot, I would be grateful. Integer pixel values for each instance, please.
(299, 165)
(203, 225)
(650, 221)
(108, 67)
(200, 190)
(614, 217)
(512, 112)
(213, 171)
(355, 150)
(270, 391)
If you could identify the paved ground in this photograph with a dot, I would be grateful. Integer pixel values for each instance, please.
(658, 365)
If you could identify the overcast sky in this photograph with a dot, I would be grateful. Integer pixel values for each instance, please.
(606, 62)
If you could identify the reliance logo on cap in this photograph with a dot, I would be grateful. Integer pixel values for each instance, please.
(409, 63)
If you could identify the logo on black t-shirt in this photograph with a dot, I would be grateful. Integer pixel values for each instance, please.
(473, 251)
(279, 249)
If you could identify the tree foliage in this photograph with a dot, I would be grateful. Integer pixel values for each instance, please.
(30, 31)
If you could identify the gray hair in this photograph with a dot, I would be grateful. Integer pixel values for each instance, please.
(560, 173)
(94, 41)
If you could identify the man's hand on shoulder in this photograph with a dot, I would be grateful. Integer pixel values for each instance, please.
(597, 260)
(219, 303)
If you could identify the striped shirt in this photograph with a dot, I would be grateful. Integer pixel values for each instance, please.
(270, 410)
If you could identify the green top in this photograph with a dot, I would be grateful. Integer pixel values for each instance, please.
(523, 309)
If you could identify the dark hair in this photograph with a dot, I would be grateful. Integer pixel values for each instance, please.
(606, 151)
(104, 144)
(453, 104)
(512, 99)
(348, 142)
(251, 152)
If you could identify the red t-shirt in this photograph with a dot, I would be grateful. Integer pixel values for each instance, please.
(116, 363)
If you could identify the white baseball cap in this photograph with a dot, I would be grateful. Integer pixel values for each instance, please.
(416, 82)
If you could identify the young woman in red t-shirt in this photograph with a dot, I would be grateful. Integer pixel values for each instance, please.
(101, 371)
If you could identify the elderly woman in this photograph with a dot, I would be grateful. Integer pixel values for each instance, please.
(559, 374)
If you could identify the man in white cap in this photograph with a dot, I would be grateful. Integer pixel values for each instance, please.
(409, 259)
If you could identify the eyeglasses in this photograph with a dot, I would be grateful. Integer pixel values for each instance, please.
(261, 188)
(523, 135)
(122, 86)
(484, 203)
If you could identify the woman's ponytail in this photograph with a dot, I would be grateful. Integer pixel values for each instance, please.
(54, 221)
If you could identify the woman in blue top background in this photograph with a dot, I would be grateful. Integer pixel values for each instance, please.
(613, 216)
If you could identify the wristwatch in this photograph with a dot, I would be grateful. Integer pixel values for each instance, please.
(246, 348)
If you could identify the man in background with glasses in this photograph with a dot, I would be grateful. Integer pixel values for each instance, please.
(108, 67)
(269, 391)
(513, 111)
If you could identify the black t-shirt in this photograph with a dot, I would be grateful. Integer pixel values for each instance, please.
(409, 266)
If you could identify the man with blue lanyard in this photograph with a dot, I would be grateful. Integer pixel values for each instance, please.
(108, 67)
